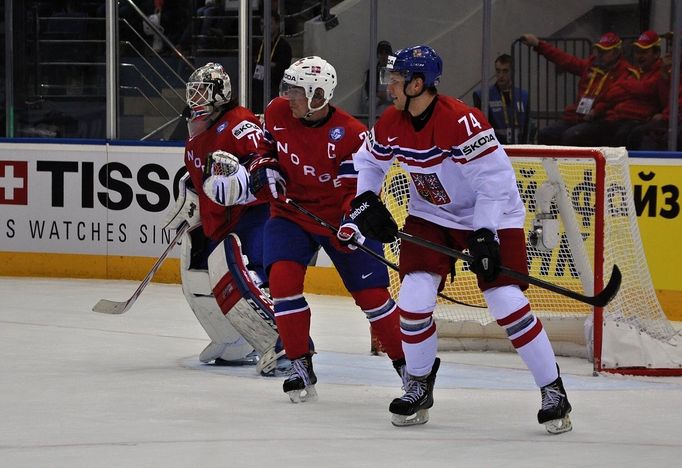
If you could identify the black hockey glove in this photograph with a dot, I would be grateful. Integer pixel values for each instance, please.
(266, 180)
(486, 252)
(373, 218)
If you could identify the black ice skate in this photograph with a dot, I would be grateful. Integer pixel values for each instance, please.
(555, 408)
(413, 407)
(300, 385)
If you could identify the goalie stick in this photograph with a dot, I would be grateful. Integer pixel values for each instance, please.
(367, 250)
(600, 300)
(105, 306)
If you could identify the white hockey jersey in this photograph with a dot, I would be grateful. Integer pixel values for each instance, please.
(460, 176)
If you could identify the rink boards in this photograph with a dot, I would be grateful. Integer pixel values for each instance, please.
(97, 210)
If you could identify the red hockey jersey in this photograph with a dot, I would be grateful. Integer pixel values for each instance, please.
(238, 131)
(317, 163)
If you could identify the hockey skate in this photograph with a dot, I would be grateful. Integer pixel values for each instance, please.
(229, 354)
(375, 348)
(555, 410)
(300, 385)
(250, 359)
(413, 407)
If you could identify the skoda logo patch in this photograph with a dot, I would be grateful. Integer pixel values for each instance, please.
(336, 133)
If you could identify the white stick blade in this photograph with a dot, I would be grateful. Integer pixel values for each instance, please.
(105, 306)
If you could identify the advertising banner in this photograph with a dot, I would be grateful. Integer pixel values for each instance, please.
(86, 199)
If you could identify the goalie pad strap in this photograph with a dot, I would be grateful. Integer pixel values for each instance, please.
(247, 308)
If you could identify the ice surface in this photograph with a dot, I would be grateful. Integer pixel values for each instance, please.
(81, 389)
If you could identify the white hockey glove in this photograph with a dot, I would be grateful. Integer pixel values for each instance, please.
(349, 234)
(186, 207)
(228, 181)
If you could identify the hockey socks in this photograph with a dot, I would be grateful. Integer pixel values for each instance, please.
(292, 313)
(384, 319)
(530, 340)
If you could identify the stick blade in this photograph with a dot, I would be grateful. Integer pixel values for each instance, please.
(611, 289)
(105, 306)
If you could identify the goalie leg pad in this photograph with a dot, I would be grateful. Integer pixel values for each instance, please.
(246, 306)
(226, 342)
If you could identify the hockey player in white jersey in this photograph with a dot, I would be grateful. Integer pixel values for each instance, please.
(463, 194)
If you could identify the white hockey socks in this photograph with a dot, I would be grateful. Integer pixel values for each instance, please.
(511, 309)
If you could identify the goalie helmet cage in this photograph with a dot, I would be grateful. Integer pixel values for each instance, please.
(591, 209)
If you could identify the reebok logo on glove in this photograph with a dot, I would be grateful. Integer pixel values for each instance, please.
(358, 211)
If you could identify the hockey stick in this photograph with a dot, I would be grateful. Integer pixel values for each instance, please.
(600, 300)
(105, 306)
(367, 250)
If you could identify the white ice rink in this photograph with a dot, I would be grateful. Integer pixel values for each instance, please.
(81, 389)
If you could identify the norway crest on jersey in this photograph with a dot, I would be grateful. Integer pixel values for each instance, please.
(336, 133)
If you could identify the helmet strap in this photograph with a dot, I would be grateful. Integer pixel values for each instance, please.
(311, 109)
(409, 98)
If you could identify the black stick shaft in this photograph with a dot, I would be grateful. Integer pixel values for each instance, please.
(600, 300)
(367, 250)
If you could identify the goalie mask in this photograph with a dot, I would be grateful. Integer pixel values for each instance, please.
(307, 75)
(208, 88)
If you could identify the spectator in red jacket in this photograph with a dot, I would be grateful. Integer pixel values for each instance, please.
(653, 135)
(633, 99)
(597, 74)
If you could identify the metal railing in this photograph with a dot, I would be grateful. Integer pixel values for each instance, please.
(550, 89)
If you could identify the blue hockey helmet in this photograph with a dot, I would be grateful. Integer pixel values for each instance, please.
(417, 59)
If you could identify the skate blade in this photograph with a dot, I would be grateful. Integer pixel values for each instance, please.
(420, 417)
(220, 362)
(277, 372)
(559, 426)
(301, 396)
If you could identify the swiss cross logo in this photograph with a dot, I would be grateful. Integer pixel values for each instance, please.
(13, 182)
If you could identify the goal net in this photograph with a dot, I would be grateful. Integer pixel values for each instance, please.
(580, 221)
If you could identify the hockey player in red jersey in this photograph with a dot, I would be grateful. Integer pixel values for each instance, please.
(222, 135)
(306, 155)
(462, 194)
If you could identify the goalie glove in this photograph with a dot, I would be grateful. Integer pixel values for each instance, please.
(349, 234)
(227, 183)
(485, 248)
(267, 181)
(373, 218)
(221, 163)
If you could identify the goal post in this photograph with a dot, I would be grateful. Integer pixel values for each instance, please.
(580, 221)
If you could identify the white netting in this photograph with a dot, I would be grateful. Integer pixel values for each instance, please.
(570, 265)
